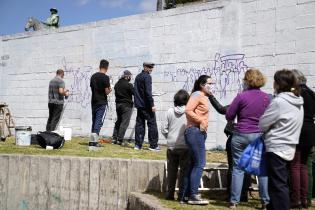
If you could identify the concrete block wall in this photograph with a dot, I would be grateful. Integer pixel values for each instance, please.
(65, 183)
(220, 38)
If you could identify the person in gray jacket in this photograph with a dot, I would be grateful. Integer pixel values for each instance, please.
(173, 129)
(281, 123)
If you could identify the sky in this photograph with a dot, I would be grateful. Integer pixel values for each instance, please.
(14, 13)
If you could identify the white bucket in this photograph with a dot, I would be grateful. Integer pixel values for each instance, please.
(23, 135)
(67, 132)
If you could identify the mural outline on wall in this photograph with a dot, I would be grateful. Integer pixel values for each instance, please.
(80, 87)
(228, 70)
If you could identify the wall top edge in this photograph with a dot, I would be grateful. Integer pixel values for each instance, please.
(77, 157)
(115, 21)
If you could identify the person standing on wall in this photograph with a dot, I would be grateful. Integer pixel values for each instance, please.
(100, 87)
(123, 94)
(145, 109)
(56, 95)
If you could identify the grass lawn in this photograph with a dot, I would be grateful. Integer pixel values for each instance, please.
(78, 146)
(217, 201)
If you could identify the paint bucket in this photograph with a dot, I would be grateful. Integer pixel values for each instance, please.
(23, 135)
(67, 132)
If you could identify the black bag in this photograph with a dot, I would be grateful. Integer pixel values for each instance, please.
(34, 138)
(48, 138)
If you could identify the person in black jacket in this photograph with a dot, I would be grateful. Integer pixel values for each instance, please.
(123, 93)
(298, 166)
(145, 109)
(228, 130)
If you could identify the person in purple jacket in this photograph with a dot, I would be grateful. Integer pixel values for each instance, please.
(247, 107)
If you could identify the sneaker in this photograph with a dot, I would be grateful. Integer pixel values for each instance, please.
(94, 144)
(183, 200)
(156, 149)
(197, 200)
(119, 142)
(137, 147)
(124, 143)
(232, 206)
(114, 141)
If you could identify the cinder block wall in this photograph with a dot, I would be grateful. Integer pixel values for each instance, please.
(220, 38)
(65, 183)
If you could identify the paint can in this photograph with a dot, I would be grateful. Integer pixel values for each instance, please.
(67, 132)
(23, 135)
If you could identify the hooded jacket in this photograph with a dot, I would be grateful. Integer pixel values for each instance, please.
(282, 123)
(173, 127)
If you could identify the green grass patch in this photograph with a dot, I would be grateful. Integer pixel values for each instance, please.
(78, 146)
(217, 200)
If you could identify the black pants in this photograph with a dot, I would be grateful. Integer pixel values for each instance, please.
(278, 187)
(247, 177)
(153, 135)
(177, 158)
(124, 112)
(55, 111)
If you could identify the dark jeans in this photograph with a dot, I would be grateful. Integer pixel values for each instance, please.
(98, 117)
(299, 177)
(55, 111)
(278, 187)
(124, 112)
(177, 158)
(195, 140)
(153, 135)
(247, 177)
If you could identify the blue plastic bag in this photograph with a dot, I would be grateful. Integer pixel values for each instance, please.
(253, 158)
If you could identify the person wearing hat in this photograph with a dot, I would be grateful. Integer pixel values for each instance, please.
(53, 19)
(124, 104)
(145, 109)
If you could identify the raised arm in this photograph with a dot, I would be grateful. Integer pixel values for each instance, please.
(233, 108)
(217, 106)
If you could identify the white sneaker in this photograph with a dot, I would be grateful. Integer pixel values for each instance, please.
(156, 149)
(137, 147)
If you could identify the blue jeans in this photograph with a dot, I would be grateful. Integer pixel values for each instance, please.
(195, 140)
(98, 117)
(238, 144)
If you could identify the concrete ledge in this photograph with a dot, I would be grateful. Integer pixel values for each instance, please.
(140, 201)
(43, 182)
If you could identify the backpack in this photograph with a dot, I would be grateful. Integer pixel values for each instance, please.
(48, 138)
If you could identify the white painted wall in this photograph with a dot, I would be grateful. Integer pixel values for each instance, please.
(221, 38)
